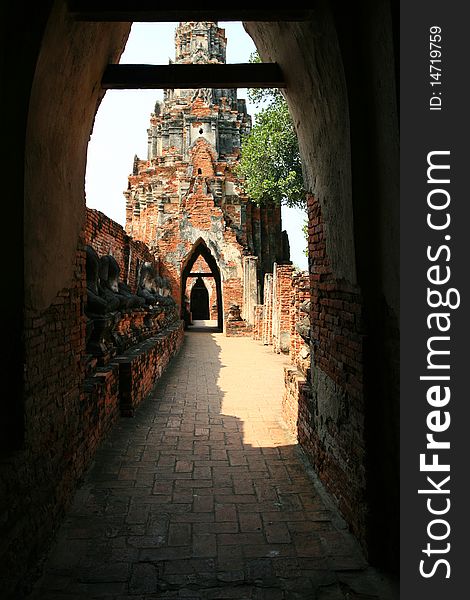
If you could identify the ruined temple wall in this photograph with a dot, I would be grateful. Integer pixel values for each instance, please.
(267, 318)
(323, 401)
(300, 293)
(68, 412)
(106, 236)
(297, 391)
(351, 178)
(229, 225)
(200, 266)
(64, 423)
(55, 435)
(180, 231)
(255, 229)
(232, 293)
(331, 417)
(178, 197)
(258, 322)
(282, 293)
(264, 238)
(211, 288)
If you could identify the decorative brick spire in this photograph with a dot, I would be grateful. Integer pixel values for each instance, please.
(187, 117)
(200, 42)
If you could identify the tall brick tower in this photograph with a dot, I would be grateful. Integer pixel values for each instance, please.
(186, 202)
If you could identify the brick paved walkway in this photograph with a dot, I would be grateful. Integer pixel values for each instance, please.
(203, 495)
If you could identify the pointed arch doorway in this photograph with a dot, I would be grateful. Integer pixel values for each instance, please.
(199, 297)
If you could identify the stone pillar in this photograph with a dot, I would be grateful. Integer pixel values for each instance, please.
(282, 290)
(250, 287)
(267, 335)
(275, 311)
(258, 322)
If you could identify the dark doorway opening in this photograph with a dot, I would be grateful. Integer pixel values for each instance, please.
(200, 249)
(199, 302)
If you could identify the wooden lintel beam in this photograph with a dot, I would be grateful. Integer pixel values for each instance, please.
(148, 10)
(201, 275)
(193, 76)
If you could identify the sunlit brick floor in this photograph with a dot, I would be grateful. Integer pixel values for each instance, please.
(204, 495)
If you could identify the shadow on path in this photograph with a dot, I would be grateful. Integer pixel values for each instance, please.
(204, 326)
(204, 495)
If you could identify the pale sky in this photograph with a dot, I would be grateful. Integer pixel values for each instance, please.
(120, 129)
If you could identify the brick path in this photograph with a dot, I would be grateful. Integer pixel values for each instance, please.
(203, 495)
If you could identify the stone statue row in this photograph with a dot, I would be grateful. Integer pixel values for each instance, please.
(106, 294)
(303, 324)
(303, 329)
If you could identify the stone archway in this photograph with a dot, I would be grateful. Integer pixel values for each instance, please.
(55, 107)
(200, 248)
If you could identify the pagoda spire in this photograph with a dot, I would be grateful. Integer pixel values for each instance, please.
(200, 42)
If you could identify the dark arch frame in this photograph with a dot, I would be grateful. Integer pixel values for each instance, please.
(200, 249)
(17, 106)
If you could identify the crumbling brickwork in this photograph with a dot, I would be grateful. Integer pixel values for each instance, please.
(295, 400)
(140, 367)
(267, 335)
(108, 237)
(331, 423)
(238, 329)
(300, 294)
(71, 401)
(61, 432)
(323, 402)
(347, 127)
(282, 296)
(187, 191)
(258, 322)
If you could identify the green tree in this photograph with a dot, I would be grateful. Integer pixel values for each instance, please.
(305, 232)
(270, 158)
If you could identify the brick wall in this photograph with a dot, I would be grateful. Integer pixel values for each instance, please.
(137, 325)
(238, 329)
(37, 481)
(300, 292)
(203, 158)
(70, 404)
(140, 367)
(267, 332)
(258, 322)
(213, 307)
(106, 236)
(282, 290)
(232, 293)
(295, 399)
(335, 313)
(331, 418)
(323, 402)
(183, 226)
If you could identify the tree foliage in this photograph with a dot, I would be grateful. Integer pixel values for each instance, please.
(270, 158)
